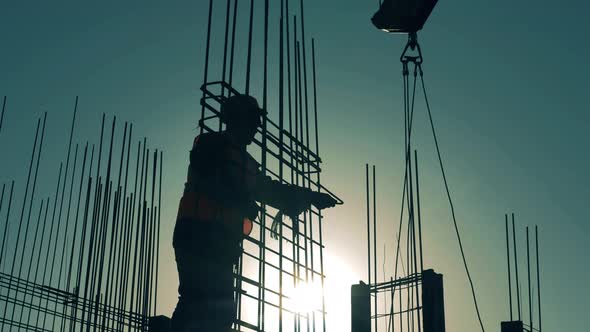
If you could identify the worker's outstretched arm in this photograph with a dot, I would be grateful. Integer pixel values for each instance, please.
(289, 198)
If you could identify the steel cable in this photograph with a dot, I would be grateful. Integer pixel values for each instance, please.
(450, 199)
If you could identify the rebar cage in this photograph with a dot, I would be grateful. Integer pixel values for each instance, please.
(272, 274)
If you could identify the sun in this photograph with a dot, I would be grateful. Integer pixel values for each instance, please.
(306, 297)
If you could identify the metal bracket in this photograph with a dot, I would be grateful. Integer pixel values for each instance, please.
(412, 45)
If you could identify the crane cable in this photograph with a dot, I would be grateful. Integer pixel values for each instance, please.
(449, 197)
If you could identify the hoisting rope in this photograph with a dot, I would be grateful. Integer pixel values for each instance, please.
(417, 60)
(442, 169)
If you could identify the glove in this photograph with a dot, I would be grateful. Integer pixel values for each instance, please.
(322, 200)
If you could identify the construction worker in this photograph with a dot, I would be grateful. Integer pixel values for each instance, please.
(216, 212)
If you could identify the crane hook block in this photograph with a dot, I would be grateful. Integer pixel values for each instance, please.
(403, 16)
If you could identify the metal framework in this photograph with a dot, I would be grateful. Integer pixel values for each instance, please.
(86, 257)
(271, 272)
(396, 303)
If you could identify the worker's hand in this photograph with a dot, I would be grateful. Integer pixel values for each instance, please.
(322, 200)
(300, 202)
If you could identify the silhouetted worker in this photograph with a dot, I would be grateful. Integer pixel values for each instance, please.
(216, 212)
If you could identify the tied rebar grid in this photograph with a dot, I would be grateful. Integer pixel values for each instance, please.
(84, 258)
(396, 304)
(271, 272)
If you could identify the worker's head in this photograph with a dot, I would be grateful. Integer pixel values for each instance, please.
(241, 114)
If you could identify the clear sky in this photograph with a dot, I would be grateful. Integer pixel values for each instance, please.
(507, 83)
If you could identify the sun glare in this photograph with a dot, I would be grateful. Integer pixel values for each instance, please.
(306, 297)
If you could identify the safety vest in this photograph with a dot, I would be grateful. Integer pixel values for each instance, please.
(242, 169)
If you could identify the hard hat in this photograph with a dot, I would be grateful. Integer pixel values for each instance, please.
(241, 109)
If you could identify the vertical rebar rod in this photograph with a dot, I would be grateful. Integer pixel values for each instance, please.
(304, 62)
(132, 224)
(128, 248)
(516, 267)
(141, 237)
(289, 102)
(151, 236)
(528, 263)
(145, 218)
(100, 252)
(59, 219)
(295, 129)
(1, 204)
(6, 229)
(233, 41)
(281, 153)
(207, 48)
(264, 149)
(28, 275)
(412, 256)
(295, 227)
(125, 258)
(301, 137)
(158, 236)
(90, 261)
(125, 229)
(112, 270)
(45, 264)
(31, 200)
(297, 94)
(35, 274)
(67, 223)
(225, 42)
(83, 244)
(137, 232)
(89, 279)
(368, 226)
(315, 99)
(71, 265)
(375, 243)
(538, 277)
(106, 208)
(509, 274)
(2, 198)
(118, 279)
(98, 225)
(129, 239)
(21, 221)
(2, 115)
(317, 151)
(112, 239)
(419, 213)
(401, 304)
(308, 217)
(249, 59)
